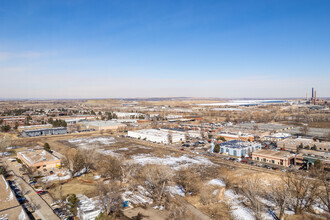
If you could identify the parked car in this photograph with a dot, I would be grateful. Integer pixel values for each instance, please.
(41, 192)
(33, 183)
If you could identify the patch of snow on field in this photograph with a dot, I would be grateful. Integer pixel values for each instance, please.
(174, 162)
(96, 141)
(238, 211)
(123, 148)
(57, 176)
(108, 152)
(96, 177)
(217, 182)
(176, 190)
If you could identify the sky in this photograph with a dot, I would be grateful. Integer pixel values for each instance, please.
(164, 48)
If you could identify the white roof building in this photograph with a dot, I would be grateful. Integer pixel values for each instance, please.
(158, 136)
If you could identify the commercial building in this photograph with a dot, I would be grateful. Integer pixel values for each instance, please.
(293, 144)
(33, 127)
(281, 158)
(276, 137)
(159, 136)
(9, 206)
(236, 136)
(39, 159)
(12, 122)
(238, 148)
(129, 115)
(104, 125)
(44, 131)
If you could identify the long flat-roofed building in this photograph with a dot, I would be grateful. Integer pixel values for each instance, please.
(293, 144)
(9, 206)
(158, 136)
(44, 131)
(281, 158)
(39, 159)
(238, 148)
(236, 136)
(33, 127)
(104, 125)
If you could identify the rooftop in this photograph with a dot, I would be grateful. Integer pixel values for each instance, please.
(272, 153)
(153, 132)
(36, 156)
(102, 123)
(238, 144)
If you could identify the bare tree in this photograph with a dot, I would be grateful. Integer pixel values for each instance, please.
(155, 178)
(324, 194)
(304, 191)
(190, 181)
(304, 130)
(252, 190)
(88, 158)
(281, 196)
(109, 197)
(73, 161)
(127, 172)
(110, 167)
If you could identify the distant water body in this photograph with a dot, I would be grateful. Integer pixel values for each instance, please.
(245, 103)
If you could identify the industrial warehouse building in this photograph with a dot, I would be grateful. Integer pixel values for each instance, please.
(281, 158)
(33, 127)
(129, 115)
(238, 148)
(236, 136)
(158, 136)
(104, 125)
(44, 131)
(293, 144)
(39, 159)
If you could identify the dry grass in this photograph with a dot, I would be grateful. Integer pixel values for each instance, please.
(80, 185)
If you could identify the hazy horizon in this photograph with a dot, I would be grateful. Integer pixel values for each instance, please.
(111, 49)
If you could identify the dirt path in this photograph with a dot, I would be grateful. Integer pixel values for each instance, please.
(193, 210)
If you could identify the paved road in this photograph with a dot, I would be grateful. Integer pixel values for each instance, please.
(42, 208)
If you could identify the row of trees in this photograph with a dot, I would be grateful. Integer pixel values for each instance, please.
(122, 174)
(294, 191)
(57, 122)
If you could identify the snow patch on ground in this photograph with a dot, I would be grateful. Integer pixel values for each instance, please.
(108, 152)
(217, 182)
(176, 190)
(57, 176)
(95, 142)
(238, 211)
(96, 177)
(175, 162)
(215, 192)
